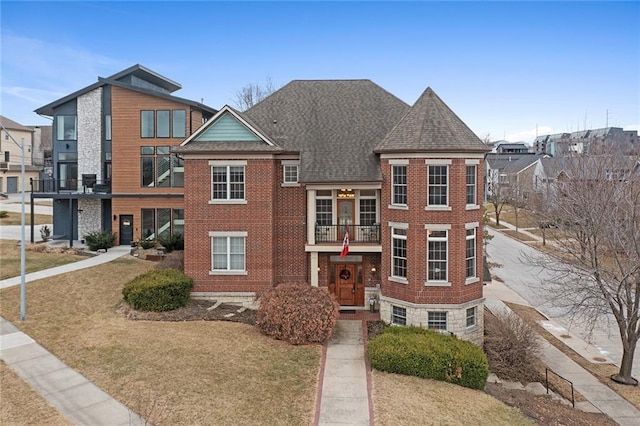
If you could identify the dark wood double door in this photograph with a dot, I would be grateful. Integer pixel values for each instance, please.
(349, 284)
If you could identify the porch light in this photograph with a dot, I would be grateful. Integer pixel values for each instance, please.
(373, 269)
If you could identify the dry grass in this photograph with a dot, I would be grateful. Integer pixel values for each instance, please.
(602, 372)
(36, 259)
(14, 218)
(526, 218)
(177, 373)
(406, 400)
(21, 405)
(518, 235)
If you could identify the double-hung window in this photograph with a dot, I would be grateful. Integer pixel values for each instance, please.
(398, 315)
(290, 172)
(437, 255)
(399, 184)
(227, 181)
(472, 314)
(438, 185)
(471, 185)
(470, 252)
(399, 252)
(228, 252)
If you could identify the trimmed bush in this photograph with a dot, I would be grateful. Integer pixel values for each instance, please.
(158, 290)
(298, 314)
(172, 242)
(100, 240)
(512, 347)
(424, 353)
(146, 244)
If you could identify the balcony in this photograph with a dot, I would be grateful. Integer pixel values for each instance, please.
(367, 234)
(71, 186)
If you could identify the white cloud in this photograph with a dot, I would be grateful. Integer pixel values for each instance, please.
(529, 135)
(35, 96)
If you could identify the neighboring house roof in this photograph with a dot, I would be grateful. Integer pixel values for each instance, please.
(430, 125)
(333, 124)
(13, 125)
(510, 163)
(125, 79)
(513, 145)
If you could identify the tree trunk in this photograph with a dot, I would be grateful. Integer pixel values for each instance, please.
(624, 375)
(497, 218)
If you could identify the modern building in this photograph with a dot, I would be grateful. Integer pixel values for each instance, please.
(13, 138)
(625, 141)
(275, 195)
(113, 166)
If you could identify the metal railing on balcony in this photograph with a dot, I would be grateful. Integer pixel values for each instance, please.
(357, 233)
(70, 186)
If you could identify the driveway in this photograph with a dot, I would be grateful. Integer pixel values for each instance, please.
(525, 280)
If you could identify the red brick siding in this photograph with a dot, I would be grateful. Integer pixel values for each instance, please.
(416, 216)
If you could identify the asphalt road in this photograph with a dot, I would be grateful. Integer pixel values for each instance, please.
(511, 256)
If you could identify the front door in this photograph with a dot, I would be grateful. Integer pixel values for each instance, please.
(126, 229)
(12, 185)
(346, 284)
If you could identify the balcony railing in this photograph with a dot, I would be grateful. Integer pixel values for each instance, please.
(357, 233)
(70, 186)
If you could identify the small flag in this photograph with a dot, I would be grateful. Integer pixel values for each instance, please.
(345, 242)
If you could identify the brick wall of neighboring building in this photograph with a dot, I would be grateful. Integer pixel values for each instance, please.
(256, 218)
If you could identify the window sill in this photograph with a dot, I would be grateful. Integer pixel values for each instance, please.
(471, 329)
(437, 284)
(290, 185)
(438, 208)
(228, 273)
(227, 201)
(399, 280)
(473, 207)
(471, 280)
(398, 207)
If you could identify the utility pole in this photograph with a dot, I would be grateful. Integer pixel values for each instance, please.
(23, 286)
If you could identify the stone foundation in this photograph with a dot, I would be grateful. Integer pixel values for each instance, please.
(248, 299)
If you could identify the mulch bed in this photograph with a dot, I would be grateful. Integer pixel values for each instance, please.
(197, 310)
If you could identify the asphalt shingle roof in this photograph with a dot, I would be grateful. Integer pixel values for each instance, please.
(430, 125)
(510, 163)
(333, 124)
(13, 125)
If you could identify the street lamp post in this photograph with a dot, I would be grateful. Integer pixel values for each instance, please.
(23, 287)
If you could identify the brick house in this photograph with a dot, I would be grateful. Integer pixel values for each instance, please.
(113, 164)
(272, 191)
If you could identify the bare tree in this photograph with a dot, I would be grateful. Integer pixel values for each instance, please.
(595, 272)
(497, 193)
(251, 94)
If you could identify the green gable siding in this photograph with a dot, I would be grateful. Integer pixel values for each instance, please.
(227, 129)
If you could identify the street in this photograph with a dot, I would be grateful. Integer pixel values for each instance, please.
(513, 270)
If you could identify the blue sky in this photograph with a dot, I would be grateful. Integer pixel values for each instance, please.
(503, 67)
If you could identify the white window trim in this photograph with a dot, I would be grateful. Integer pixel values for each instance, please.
(437, 227)
(471, 226)
(475, 318)
(394, 163)
(405, 315)
(474, 206)
(447, 164)
(396, 225)
(446, 321)
(227, 234)
(228, 164)
(286, 163)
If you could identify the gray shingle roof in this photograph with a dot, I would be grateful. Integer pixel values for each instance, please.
(228, 146)
(13, 125)
(333, 124)
(510, 163)
(430, 125)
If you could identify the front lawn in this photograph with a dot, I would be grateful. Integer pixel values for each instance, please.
(14, 218)
(35, 260)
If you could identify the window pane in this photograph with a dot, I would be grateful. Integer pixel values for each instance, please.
(399, 256)
(437, 320)
(471, 316)
(66, 127)
(178, 171)
(437, 186)
(163, 150)
(164, 172)
(179, 123)
(219, 183)
(471, 184)
(147, 166)
(290, 174)
(399, 185)
(148, 224)
(146, 124)
(324, 215)
(236, 178)
(163, 123)
(367, 211)
(399, 315)
(178, 221)
(147, 150)
(107, 127)
(164, 223)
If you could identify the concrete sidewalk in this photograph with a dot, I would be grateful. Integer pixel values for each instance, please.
(344, 398)
(77, 398)
(598, 394)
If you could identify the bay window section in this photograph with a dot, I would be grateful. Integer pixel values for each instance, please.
(399, 253)
(437, 186)
(437, 256)
(471, 186)
(399, 185)
(470, 253)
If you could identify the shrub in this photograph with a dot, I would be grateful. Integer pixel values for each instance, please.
(45, 232)
(512, 347)
(298, 313)
(424, 353)
(158, 290)
(174, 260)
(3, 214)
(172, 242)
(146, 244)
(100, 240)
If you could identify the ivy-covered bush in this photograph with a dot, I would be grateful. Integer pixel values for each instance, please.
(158, 290)
(172, 242)
(298, 314)
(100, 240)
(424, 353)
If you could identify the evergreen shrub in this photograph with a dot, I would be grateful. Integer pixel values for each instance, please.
(158, 290)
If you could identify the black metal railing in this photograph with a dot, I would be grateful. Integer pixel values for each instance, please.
(70, 185)
(546, 376)
(357, 233)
